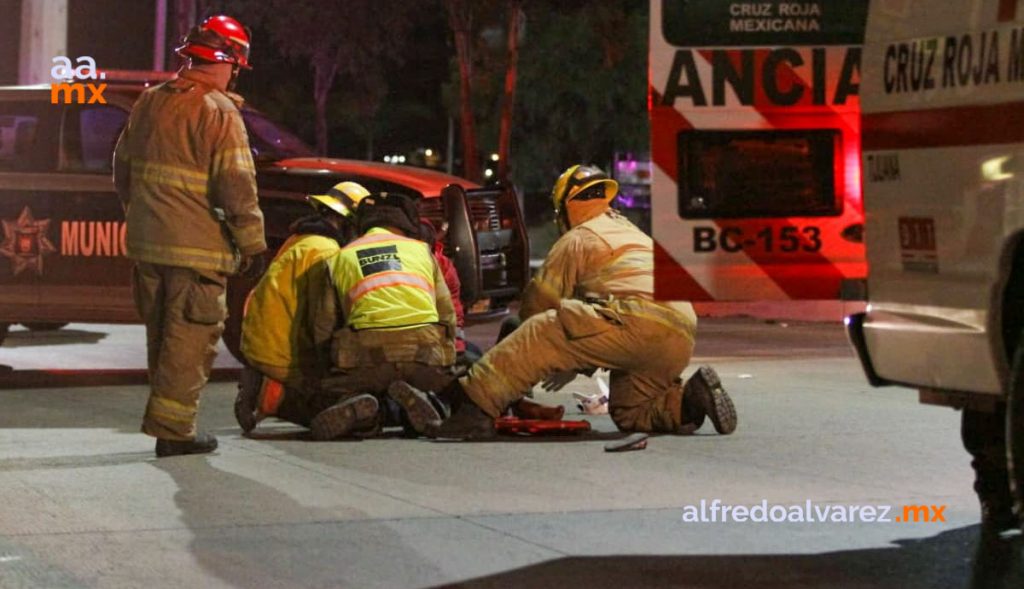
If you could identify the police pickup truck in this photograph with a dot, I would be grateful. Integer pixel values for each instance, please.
(62, 237)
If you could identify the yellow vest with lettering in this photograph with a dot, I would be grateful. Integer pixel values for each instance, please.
(385, 281)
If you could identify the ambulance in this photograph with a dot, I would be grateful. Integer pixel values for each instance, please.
(755, 141)
(943, 160)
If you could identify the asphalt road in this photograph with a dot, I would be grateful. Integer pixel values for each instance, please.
(83, 502)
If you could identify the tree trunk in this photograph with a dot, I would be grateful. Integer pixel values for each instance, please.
(458, 18)
(184, 19)
(515, 16)
(369, 142)
(320, 124)
(324, 70)
(320, 91)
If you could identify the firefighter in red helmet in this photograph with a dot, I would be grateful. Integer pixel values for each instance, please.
(219, 39)
(187, 181)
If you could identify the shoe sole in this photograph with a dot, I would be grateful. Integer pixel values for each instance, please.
(722, 410)
(343, 418)
(417, 406)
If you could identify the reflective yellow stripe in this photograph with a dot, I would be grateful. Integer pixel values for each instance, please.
(652, 311)
(484, 371)
(171, 410)
(189, 257)
(388, 296)
(178, 177)
(386, 279)
(236, 158)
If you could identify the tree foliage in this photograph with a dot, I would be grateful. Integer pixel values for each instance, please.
(582, 88)
(346, 41)
(580, 94)
(461, 22)
(514, 24)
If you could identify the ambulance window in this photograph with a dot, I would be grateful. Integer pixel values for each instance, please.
(735, 174)
(26, 129)
(90, 134)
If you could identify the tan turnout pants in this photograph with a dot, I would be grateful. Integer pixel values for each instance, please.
(184, 312)
(300, 406)
(368, 362)
(645, 347)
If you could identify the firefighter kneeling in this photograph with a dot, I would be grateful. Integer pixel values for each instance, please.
(277, 331)
(388, 317)
(592, 306)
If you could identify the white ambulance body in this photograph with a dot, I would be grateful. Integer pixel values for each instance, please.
(942, 95)
(755, 135)
(943, 105)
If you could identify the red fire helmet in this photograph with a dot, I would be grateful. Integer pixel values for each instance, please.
(219, 39)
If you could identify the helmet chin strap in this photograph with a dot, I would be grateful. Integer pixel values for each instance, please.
(235, 69)
(562, 220)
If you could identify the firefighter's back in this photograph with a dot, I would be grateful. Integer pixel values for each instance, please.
(168, 146)
(621, 266)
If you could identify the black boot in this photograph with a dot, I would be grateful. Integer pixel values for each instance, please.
(249, 384)
(693, 410)
(417, 407)
(467, 421)
(984, 437)
(703, 395)
(353, 415)
(203, 443)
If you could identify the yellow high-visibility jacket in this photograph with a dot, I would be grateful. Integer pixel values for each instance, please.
(605, 257)
(276, 329)
(389, 294)
(186, 178)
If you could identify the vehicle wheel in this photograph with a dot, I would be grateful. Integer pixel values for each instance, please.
(1015, 427)
(238, 291)
(40, 326)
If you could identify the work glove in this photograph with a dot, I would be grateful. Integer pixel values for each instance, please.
(252, 267)
(462, 361)
(556, 381)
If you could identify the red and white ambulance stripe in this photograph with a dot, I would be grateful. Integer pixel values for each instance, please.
(751, 273)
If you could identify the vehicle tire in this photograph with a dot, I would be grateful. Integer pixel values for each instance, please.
(238, 291)
(40, 326)
(1015, 427)
(239, 288)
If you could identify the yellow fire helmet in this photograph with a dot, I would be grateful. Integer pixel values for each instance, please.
(577, 180)
(342, 198)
